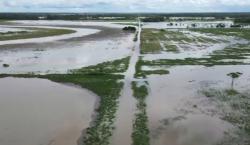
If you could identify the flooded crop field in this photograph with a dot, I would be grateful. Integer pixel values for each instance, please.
(124, 82)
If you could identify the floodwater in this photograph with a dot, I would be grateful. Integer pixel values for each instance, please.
(60, 60)
(187, 24)
(127, 102)
(78, 33)
(41, 112)
(65, 53)
(75, 23)
(4, 29)
(179, 114)
(197, 50)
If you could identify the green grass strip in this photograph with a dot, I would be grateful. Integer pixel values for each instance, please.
(140, 134)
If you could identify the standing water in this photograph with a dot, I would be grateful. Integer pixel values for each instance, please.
(127, 107)
(41, 112)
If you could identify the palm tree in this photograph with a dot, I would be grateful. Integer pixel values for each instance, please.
(234, 75)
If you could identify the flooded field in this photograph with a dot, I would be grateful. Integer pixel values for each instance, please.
(188, 24)
(68, 51)
(197, 121)
(127, 83)
(36, 111)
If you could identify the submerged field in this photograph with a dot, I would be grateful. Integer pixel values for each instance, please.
(150, 87)
(32, 33)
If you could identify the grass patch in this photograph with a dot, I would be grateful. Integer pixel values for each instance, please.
(35, 33)
(235, 107)
(144, 73)
(107, 87)
(151, 40)
(116, 66)
(171, 48)
(13, 33)
(196, 61)
(140, 134)
(238, 32)
(5, 22)
(232, 55)
(136, 37)
(128, 24)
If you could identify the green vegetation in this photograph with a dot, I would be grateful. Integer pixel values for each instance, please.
(150, 41)
(103, 83)
(5, 22)
(143, 73)
(140, 135)
(107, 87)
(241, 20)
(13, 33)
(155, 41)
(154, 19)
(235, 107)
(171, 47)
(6, 65)
(234, 75)
(136, 37)
(128, 24)
(116, 66)
(194, 61)
(129, 28)
(35, 33)
(232, 55)
(238, 32)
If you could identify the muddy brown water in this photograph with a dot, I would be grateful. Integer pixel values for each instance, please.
(179, 115)
(41, 112)
(109, 43)
(127, 102)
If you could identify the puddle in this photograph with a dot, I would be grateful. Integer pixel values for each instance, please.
(41, 112)
(178, 115)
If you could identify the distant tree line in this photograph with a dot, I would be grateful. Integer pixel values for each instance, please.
(149, 17)
(242, 20)
(64, 16)
(153, 19)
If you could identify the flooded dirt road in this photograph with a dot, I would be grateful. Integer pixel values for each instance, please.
(127, 103)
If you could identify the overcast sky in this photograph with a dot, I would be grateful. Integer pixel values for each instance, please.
(124, 5)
